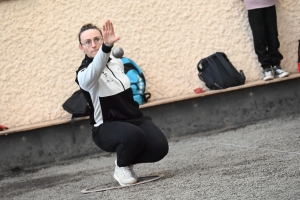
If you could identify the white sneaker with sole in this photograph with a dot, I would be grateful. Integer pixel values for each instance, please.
(279, 73)
(268, 75)
(123, 175)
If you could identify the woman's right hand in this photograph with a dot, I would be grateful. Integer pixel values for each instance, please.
(108, 32)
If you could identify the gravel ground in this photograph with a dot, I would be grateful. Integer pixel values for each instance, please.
(260, 161)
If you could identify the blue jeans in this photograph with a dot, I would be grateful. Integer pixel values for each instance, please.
(263, 22)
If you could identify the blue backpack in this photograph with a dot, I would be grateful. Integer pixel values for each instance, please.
(137, 81)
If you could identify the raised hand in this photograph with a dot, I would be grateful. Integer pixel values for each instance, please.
(108, 32)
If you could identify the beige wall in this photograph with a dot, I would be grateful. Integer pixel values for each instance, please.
(39, 47)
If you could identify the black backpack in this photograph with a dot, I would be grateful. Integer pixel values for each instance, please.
(218, 73)
(77, 105)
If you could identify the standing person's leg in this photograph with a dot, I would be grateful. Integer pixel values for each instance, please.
(257, 23)
(273, 42)
(156, 147)
(272, 35)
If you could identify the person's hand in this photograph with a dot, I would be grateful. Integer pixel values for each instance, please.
(108, 32)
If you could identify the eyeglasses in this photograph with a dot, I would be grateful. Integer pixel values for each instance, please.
(96, 40)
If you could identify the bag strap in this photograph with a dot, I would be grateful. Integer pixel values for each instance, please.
(214, 67)
(146, 96)
(230, 69)
(73, 129)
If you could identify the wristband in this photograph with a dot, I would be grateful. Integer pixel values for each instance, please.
(108, 45)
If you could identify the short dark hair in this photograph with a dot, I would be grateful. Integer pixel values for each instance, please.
(87, 27)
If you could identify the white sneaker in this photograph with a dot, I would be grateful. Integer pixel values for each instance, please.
(123, 175)
(279, 73)
(268, 75)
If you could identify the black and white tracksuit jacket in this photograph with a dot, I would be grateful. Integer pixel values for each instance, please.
(107, 88)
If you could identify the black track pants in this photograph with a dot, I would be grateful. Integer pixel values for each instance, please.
(263, 22)
(134, 141)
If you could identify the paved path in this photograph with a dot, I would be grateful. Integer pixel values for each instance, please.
(260, 161)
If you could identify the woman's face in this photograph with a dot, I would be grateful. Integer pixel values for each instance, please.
(91, 41)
